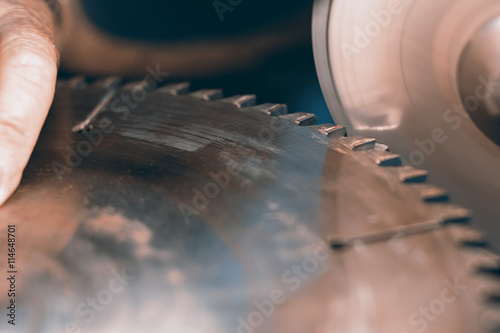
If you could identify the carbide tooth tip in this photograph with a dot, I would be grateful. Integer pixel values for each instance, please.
(175, 89)
(430, 193)
(454, 219)
(490, 320)
(479, 261)
(468, 237)
(487, 290)
(358, 143)
(271, 109)
(207, 94)
(451, 214)
(381, 147)
(384, 158)
(241, 101)
(301, 118)
(433, 195)
(493, 269)
(331, 130)
(407, 174)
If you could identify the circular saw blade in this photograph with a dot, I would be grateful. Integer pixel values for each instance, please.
(186, 212)
(392, 70)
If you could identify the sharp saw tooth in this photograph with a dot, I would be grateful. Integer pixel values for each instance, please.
(492, 270)
(301, 118)
(358, 143)
(384, 158)
(381, 147)
(490, 321)
(487, 289)
(450, 214)
(270, 109)
(330, 130)
(241, 101)
(465, 236)
(480, 242)
(408, 174)
(478, 260)
(430, 193)
(207, 94)
(175, 89)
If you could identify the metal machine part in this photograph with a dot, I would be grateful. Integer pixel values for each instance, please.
(422, 76)
(170, 211)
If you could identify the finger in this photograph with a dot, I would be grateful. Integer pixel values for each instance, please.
(28, 69)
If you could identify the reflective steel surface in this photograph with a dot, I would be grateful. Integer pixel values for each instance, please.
(194, 213)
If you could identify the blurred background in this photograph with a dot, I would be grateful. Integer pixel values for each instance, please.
(286, 75)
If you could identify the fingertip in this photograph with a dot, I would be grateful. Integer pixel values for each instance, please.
(8, 185)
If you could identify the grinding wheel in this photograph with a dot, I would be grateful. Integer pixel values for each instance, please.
(422, 76)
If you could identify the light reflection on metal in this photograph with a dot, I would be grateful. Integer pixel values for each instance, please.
(399, 71)
(161, 238)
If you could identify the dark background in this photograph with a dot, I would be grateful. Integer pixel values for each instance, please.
(287, 77)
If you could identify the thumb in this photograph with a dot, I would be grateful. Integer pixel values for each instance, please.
(28, 70)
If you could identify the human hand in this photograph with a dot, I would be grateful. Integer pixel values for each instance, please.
(28, 70)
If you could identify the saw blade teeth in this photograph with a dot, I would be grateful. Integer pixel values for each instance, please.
(468, 237)
(491, 270)
(430, 193)
(358, 143)
(475, 243)
(109, 82)
(271, 109)
(490, 321)
(78, 82)
(488, 290)
(450, 214)
(384, 158)
(241, 101)
(408, 174)
(481, 261)
(175, 89)
(331, 130)
(207, 94)
(301, 118)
